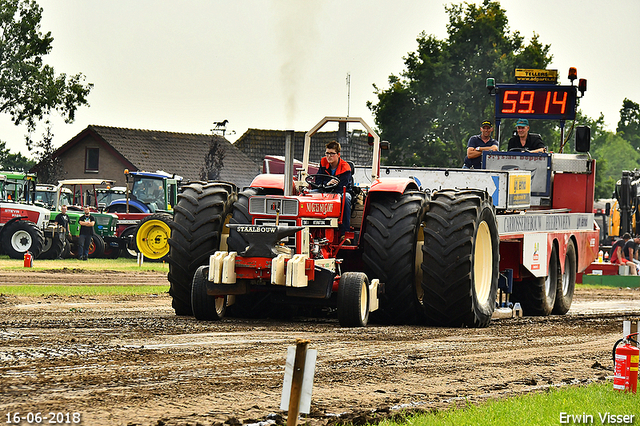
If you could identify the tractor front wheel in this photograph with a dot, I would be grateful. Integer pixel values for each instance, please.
(353, 300)
(205, 307)
(20, 237)
(152, 236)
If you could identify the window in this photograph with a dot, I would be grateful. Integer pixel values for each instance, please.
(91, 162)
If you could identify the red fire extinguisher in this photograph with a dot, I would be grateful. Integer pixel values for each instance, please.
(626, 365)
(28, 260)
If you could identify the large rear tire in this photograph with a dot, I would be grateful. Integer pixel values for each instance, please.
(20, 237)
(152, 236)
(461, 256)
(196, 231)
(353, 300)
(393, 238)
(567, 283)
(537, 295)
(205, 307)
(53, 246)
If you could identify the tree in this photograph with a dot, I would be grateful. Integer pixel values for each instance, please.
(13, 162)
(50, 168)
(613, 156)
(213, 161)
(429, 112)
(629, 124)
(29, 89)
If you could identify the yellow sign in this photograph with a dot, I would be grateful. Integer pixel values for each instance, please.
(519, 189)
(524, 75)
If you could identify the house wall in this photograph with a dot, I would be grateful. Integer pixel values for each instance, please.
(109, 166)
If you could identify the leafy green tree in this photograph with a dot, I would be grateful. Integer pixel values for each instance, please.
(629, 124)
(429, 112)
(30, 90)
(13, 161)
(613, 156)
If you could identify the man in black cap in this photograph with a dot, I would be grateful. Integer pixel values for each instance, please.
(524, 140)
(479, 143)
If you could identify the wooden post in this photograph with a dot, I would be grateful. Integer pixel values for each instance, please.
(296, 382)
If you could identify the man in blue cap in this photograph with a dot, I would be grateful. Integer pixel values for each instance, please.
(531, 142)
(479, 143)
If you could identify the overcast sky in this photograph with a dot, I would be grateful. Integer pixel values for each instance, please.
(283, 64)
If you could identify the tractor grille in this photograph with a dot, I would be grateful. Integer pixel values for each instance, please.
(271, 205)
(103, 220)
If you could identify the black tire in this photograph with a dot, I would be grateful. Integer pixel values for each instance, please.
(152, 236)
(196, 232)
(130, 250)
(353, 300)
(66, 251)
(391, 250)
(20, 237)
(111, 252)
(537, 295)
(53, 247)
(460, 259)
(205, 307)
(567, 282)
(96, 247)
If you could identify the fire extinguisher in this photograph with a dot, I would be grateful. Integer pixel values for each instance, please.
(626, 358)
(28, 260)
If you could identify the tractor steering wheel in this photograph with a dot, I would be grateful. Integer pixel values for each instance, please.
(329, 185)
(519, 150)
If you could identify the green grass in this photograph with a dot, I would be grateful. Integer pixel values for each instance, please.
(538, 409)
(120, 264)
(82, 290)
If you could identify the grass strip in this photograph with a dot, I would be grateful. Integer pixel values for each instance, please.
(592, 404)
(120, 264)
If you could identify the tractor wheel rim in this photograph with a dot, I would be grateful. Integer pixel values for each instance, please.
(363, 301)
(21, 241)
(152, 239)
(483, 262)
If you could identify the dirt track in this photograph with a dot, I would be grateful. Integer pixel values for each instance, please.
(130, 360)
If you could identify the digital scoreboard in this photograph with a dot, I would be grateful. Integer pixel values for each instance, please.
(536, 101)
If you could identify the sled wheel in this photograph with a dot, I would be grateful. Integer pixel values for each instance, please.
(567, 284)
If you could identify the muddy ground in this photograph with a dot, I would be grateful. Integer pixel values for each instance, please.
(130, 361)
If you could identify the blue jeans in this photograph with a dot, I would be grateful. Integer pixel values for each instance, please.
(84, 242)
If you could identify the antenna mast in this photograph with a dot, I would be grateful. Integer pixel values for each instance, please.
(348, 93)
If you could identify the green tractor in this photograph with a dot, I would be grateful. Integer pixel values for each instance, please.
(76, 193)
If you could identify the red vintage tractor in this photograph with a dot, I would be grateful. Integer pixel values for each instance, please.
(275, 246)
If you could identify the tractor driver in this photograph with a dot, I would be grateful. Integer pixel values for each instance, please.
(340, 171)
(525, 140)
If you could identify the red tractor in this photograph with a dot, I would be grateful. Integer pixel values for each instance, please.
(275, 246)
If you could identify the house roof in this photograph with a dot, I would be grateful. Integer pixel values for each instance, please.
(257, 143)
(180, 153)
